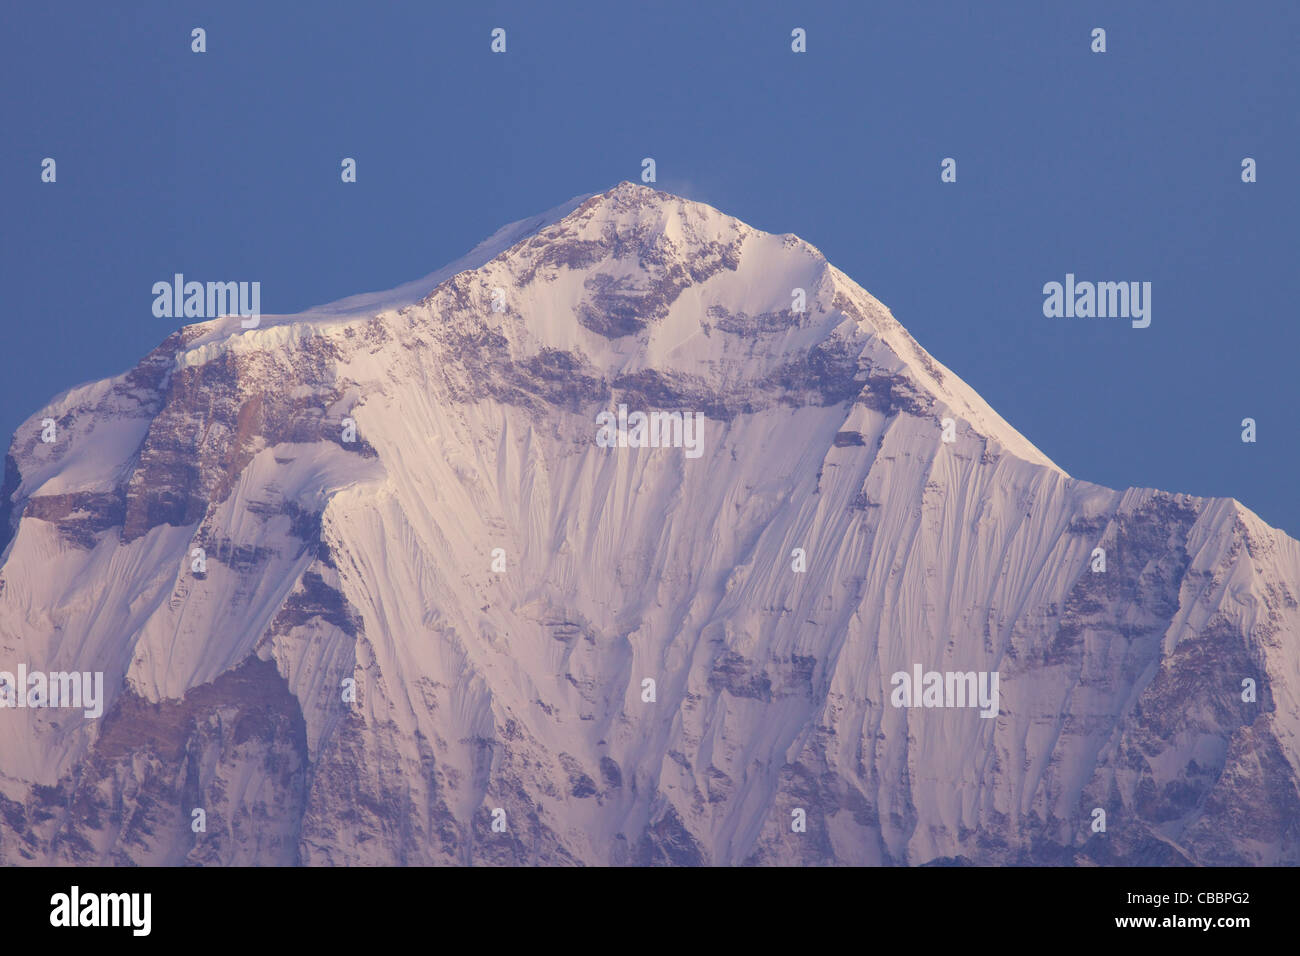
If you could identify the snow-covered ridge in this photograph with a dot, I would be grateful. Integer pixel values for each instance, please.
(227, 330)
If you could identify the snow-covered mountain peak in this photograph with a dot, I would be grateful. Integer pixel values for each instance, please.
(359, 577)
(638, 282)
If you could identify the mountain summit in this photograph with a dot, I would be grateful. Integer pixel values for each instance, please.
(372, 584)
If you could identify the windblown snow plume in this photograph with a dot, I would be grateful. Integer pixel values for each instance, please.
(638, 536)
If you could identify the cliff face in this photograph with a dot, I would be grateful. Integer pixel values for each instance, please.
(353, 673)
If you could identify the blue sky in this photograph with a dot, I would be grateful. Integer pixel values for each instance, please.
(1116, 166)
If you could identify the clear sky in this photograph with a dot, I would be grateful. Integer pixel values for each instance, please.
(1115, 166)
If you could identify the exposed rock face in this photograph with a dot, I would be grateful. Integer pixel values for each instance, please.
(235, 746)
(311, 635)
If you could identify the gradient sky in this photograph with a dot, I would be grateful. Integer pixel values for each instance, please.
(1115, 166)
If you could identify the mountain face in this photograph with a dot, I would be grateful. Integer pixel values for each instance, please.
(404, 580)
